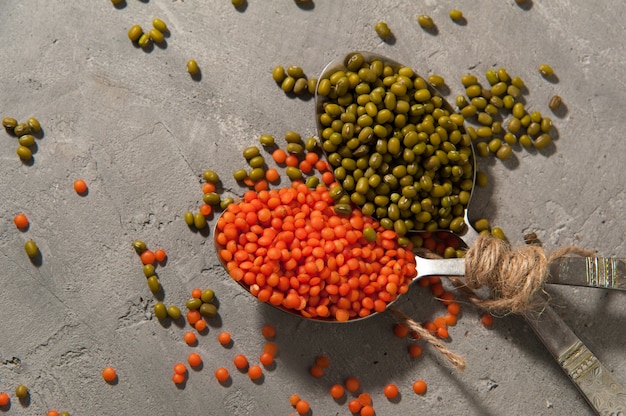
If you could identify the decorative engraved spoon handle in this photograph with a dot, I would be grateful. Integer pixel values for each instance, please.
(603, 393)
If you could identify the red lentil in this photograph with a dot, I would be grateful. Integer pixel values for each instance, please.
(419, 387)
(306, 258)
(486, 319)
(21, 221)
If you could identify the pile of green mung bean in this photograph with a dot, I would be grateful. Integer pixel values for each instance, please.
(488, 107)
(145, 39)
(293, 80)
(25, 133)
(398, 151)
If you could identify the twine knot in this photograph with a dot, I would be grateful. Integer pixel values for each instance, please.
(514, 276)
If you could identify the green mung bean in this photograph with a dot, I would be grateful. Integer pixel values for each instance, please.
(159, 25)
(425, 21)
(26, 140)
(555, 102)
(135, 32)
(278, 74)
(21, 129)
(295, 71)
(153, 284)
(34, 125)
(456, 15)
(256, 174)
(436, 81)
(144, 41)
(24, 152)
(288, 84)
(199, 221)
(156, 36)
(492, 77)
(545, 70)
(160, 311)
(382, 29)
(542, 141)
(192, 67)
(31, 249)
(9, 123)
(504, 152)
(468, 80)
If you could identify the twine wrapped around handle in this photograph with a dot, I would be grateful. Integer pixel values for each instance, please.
(514, 276)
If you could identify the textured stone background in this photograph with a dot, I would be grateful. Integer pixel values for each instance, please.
(140, 131)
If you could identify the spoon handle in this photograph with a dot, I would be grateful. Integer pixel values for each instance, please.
(603, 393)
(600, 272)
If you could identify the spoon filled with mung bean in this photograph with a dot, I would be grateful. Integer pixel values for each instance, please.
(398, 149)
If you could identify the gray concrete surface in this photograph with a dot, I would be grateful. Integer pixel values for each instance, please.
(140, 131)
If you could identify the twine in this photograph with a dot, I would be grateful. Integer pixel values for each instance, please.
(514, 276)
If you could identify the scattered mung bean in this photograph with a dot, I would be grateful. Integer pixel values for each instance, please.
(425, 21)
(555, 102)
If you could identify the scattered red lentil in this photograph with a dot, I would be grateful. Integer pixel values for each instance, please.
(354, 406)
(367, 410)
(442, 333)
(337, 391)
(222, 375)
(447, 298)
(52, 413)
(4, 399)
(415, 350)
(21, 221)
(194, 359)
(109, 374)
(454, 308)
(266, 359)
(180, 368)
(271, 347)
(279, 156)
(365, 399)
(268, 331)
(178, 378)
(200, 325)
(294, 399)
(291, 160)
(224, 338)
(450, 319)
(80, 186)
(316, 371)
(255, 372)
(193, 316)
(322, 361)
(190, 338)
(486, 319)
(391, 391)
(352, 384)
(147, 257)
(240, 361)
(196, 293)
(419, 387)
(302, 407)
(208, 187)
(401, 330)
(440, 322)
(205, 209)
(272, 175)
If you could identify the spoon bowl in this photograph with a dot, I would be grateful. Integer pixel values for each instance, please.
(346, 64)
